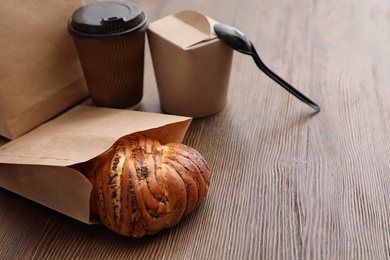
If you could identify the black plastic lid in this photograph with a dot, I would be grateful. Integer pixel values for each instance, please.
(108, 20)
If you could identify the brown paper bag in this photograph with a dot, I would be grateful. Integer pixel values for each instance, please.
(40, 75)
(34, 165)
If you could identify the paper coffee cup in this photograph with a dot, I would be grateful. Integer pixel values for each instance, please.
(110, 40)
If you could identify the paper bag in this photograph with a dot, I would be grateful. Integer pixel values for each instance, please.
(35, 164)
(40, 75)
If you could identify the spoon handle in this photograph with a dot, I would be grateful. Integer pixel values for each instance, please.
(283, 83)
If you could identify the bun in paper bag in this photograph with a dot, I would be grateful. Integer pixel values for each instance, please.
(141, 187)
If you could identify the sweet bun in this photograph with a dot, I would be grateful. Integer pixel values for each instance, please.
(141, 187)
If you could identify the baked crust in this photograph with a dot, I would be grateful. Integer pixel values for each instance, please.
(141, 187)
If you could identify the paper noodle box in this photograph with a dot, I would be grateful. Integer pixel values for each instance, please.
(192, 66)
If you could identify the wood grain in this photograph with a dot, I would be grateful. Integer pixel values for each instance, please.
(286, 183)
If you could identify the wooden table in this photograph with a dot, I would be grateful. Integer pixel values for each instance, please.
(286, 183)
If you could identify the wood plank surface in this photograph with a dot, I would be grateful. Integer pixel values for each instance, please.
(286, 183)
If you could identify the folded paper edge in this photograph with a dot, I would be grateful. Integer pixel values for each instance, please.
(198, 21)
(13, 152)
(194, 19)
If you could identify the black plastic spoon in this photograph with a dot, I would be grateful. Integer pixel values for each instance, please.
(237, 41)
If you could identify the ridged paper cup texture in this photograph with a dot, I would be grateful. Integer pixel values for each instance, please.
(110, 42)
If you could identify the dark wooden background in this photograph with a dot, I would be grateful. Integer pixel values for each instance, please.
(286, 183)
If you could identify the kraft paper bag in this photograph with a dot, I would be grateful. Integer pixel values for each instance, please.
(40, 74)
(35, 165)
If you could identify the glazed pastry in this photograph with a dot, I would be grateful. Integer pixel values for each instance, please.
(141, 187)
